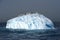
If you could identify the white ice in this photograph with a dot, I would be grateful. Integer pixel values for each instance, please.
(30, 22)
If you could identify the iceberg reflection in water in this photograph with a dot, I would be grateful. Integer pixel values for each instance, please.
(30, 22)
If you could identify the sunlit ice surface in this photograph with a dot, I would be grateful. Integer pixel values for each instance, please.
(30, 21)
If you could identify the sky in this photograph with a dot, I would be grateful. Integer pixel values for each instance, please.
(12, 8)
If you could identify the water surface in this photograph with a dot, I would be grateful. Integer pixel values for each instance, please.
(6, 34)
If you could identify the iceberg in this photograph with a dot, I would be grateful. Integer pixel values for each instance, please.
(30, 22)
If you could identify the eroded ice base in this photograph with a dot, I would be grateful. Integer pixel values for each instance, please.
(30, 22)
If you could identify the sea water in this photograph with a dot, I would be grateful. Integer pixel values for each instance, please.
(6, 34)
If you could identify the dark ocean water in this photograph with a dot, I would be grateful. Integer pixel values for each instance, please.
(6, 34)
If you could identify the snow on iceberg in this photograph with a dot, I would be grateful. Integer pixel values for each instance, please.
(30, 22)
